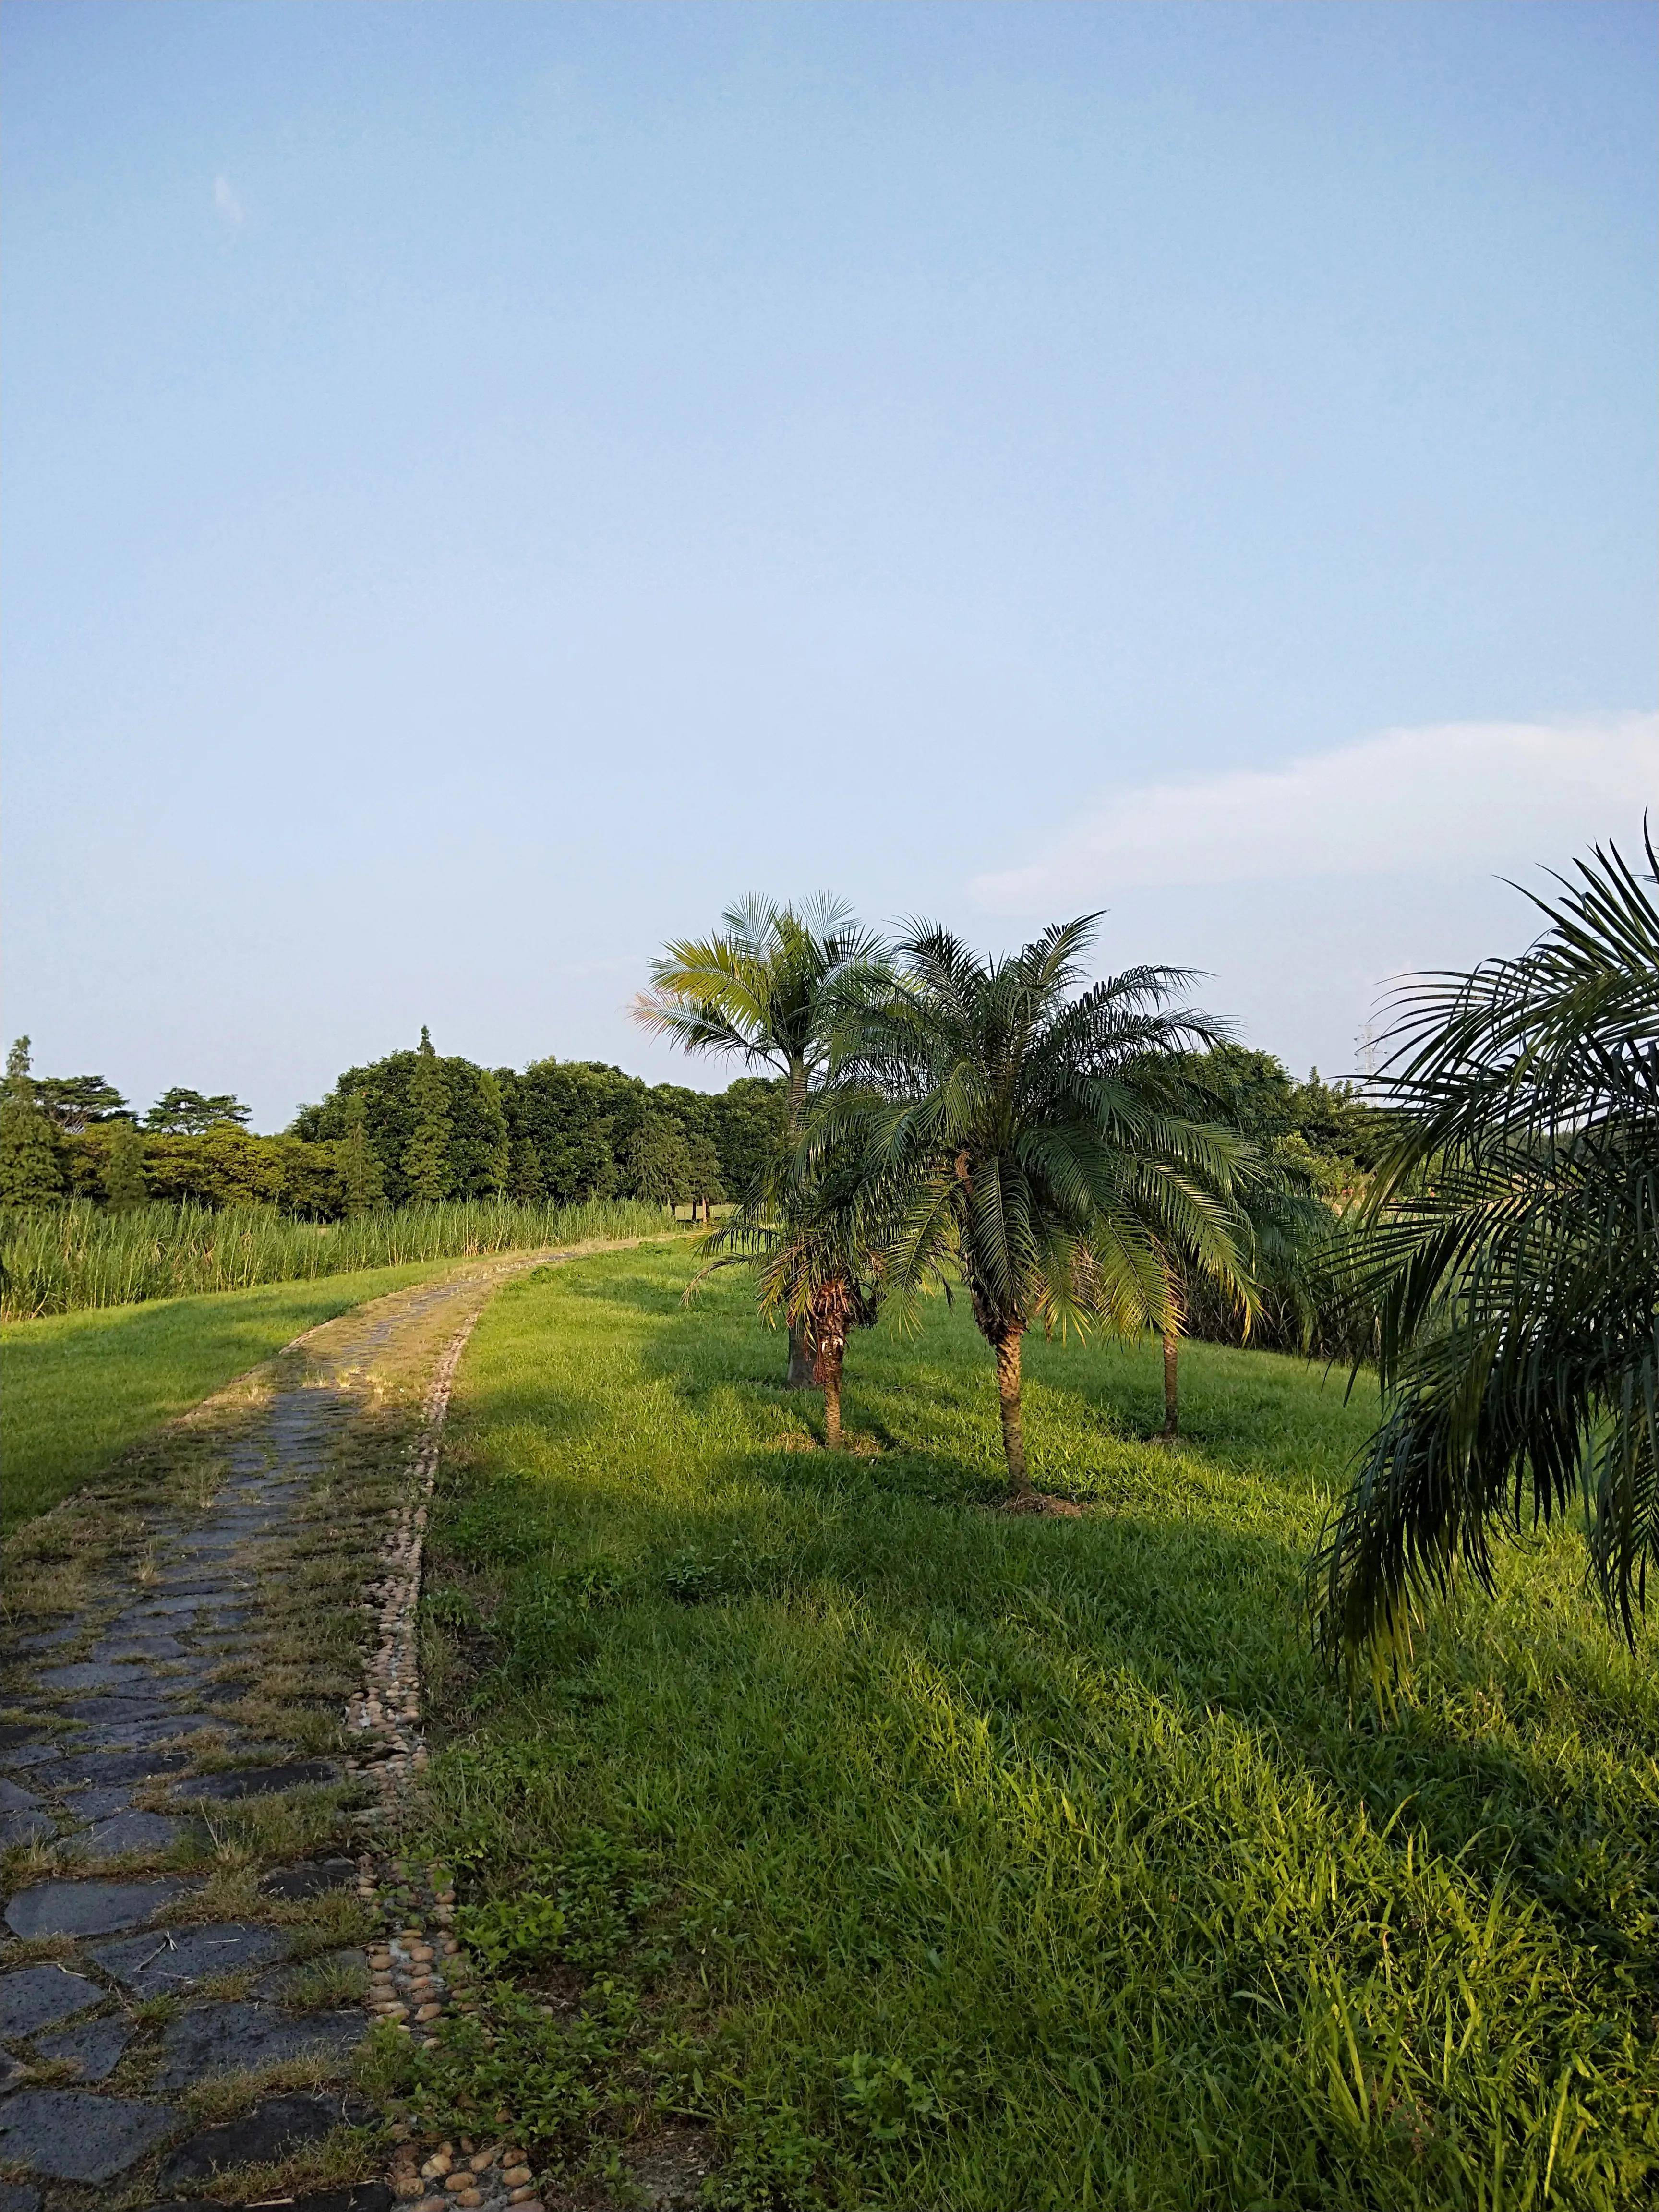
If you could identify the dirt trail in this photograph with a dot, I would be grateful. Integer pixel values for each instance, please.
(185, 1814)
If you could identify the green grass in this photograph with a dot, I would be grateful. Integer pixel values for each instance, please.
(59, 1259)
(80, 1388)
(943, 1859)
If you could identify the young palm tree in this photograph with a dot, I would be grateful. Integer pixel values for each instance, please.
(1035, 1142)
(763, 990)
(1513, 1253)
(810, 1235)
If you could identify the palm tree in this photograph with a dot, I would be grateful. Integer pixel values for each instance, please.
(1513, 1252)
(764, 990)
(809, 1232)
(1035, 1143)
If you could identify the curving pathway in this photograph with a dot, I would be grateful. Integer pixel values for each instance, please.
(187, 1814)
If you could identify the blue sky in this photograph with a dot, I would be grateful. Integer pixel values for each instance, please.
(488, 482)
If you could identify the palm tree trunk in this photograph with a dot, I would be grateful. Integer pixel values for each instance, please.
(802, 1370)
(1171, 1355)
(801, 1375)
(1013, 1432)
(832, 1402)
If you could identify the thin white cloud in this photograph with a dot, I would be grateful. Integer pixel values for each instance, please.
(231, 213)
(1449, 795)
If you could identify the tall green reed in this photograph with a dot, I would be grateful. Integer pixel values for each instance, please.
(58, 1259)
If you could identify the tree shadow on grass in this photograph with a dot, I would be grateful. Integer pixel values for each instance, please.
(1158, 1585)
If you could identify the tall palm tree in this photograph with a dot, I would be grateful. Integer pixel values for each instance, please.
(1035, 1143)
(764, 990)
(1513, 1253)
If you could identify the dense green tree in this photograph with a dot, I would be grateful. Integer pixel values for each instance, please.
(73, 1102)
(705, 1189)
(748, 1123)
(498, 1155)
(1334, 1120)
(528, 1188)
(389, 1106)
(1509, 1237)
(575, 1116)
(764, 989)
(124, 1181)
(363, 1179)
(1037, 1143)
(188, 1112)
(30, 1172)
(427, 1172)
(657, 1162)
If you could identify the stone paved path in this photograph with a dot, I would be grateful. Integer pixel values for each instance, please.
(188, 1914)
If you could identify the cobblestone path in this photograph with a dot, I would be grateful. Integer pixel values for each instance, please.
(193, 1921)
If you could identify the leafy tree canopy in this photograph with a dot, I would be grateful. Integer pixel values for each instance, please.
(188, 1112)
(1509, 1240)
(75, 1101)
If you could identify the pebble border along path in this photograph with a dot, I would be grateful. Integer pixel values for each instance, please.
(138, 1731)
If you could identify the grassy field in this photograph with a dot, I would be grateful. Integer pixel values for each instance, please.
(80, 1388)
(939, 1859)
(60, 1259)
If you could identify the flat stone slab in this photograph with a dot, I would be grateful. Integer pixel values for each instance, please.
(99, 1804)
(165, 1729)
(39, 1996)
(314, 1879)
(14, 1798)
(181, 1603)
(127, 1834)
(112, 1766)
(89, 1908)
(225, 2039)
(272, 2130)
(108, 1710)
(158, 1646)
(173, 1960)
(71, 2136)
(94, 2047)
(258, 1781)
(22, 1756)
(19, 2196)
(94, 1675)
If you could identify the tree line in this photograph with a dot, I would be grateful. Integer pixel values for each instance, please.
(420, 1126)
(417, 1128)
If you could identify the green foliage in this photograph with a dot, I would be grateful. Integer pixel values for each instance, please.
(656, 1161)
(458, 1132)
(122, 1171)
(1509, 1240)
(224, 1166)
(748, 1126)
(1332, 1126)
(363, 1179)
(180, 1112)
(1029, 1862)
(58, 1258)
(425, 1162)
(75, 1101)
(498, 1154)
(29, 1171)
(1035, 1137)
(764, 989)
